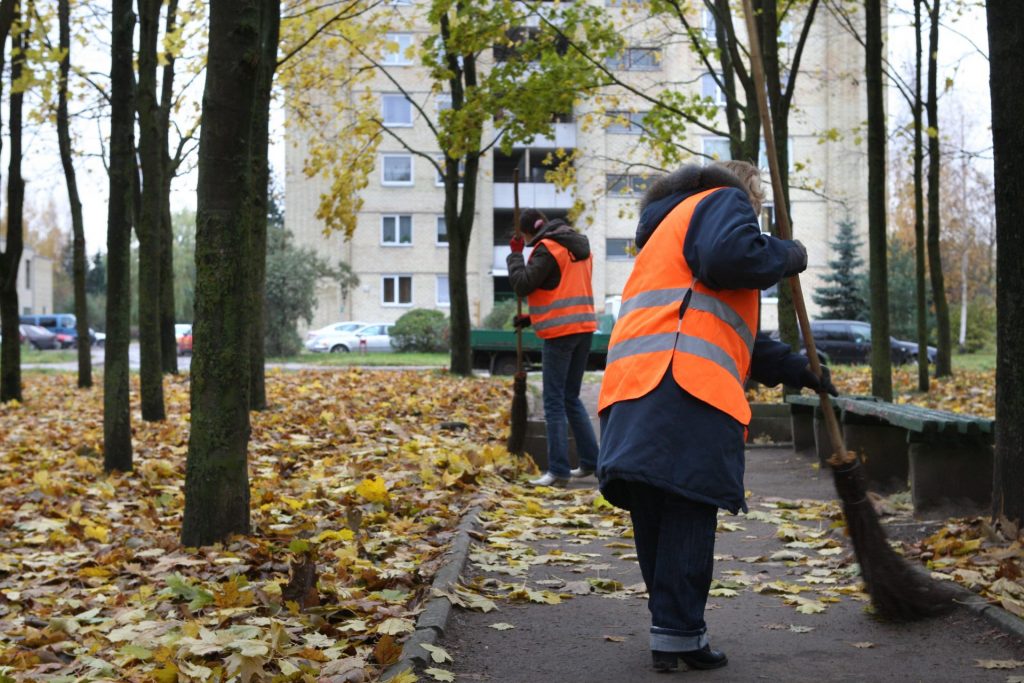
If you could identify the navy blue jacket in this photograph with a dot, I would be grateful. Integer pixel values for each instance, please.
(668, 438)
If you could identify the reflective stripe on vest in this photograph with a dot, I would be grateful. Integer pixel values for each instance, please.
(708, 349)
(569, 307)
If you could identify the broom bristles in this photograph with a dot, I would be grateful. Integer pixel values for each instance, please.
(898, 590)
(517, 428)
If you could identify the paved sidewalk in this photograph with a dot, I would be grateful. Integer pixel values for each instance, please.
(601, 637)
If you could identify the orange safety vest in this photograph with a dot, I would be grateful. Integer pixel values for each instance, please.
(709, 346)
(569, 307)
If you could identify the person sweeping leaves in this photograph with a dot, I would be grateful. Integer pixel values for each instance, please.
(557, 285)
(672, 404)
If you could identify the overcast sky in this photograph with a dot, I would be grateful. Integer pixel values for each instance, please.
(961, 58)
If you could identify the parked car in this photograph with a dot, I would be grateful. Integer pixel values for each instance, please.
(38, 337)
(184, 340)
(334, 328)
(98, 338)
(848, 342)
(373, 338)
(63, 325)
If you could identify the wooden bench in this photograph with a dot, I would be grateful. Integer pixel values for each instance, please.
(946, 457)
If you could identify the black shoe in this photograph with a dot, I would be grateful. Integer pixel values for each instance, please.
(704, 658)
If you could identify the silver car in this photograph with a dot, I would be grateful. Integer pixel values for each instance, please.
(372, 338)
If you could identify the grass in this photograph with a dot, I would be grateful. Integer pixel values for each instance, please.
(30, 355)
(982, 360)
(368, 359)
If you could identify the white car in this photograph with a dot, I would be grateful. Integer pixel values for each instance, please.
(372, 338)
(334, 328)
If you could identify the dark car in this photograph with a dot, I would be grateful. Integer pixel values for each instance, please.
(848, 342)
(39, 337)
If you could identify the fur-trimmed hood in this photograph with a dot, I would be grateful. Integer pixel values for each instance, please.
(668, 190)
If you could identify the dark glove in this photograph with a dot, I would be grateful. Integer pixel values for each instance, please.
(811, 381)
(516, 244)
(521, 321)
(796, 259)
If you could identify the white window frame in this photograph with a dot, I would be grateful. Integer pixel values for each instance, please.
(397, 183)
(636, 185)
(397, 217)
(440, 291)
(437, 231)
(708, 82)
(634, 127)
(397, 279)
(442, 101)
(399, 57)
(630, 243)
(709, 155)
(439, 178)
(384, 98)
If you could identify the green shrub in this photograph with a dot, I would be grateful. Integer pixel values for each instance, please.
(500, 317)
(421, 330)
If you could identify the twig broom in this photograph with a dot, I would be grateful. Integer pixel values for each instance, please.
(898, 590)
(517, 428)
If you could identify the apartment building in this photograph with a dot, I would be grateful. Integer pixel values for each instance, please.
(35, 282)
(399, 248)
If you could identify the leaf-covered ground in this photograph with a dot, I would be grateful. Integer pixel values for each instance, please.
(972, 392)
(358, 479)
(353, 470)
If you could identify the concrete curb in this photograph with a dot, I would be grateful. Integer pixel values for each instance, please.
(431, 622)
(1007, 622)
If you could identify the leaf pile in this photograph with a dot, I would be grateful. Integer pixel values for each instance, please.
(356, 488)
(967, 392)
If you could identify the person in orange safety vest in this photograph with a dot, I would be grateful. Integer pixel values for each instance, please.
(556, 282)
(672, 405)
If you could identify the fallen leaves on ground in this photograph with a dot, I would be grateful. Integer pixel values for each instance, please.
(966, 392)
(356, 490)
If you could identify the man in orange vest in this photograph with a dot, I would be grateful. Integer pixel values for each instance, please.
(556, 284)
(672, 404)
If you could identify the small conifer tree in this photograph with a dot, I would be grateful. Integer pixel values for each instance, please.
(842, 295)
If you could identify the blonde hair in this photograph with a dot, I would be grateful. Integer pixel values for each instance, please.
(750, 176)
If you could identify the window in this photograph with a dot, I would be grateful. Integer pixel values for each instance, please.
(396, 230)
(716, 148)
(439, 179)
(400, 3)
(397, 49)
(709, 88)
(625, 184)
(442, 231)
(625, 122)
(442, 297)
(396, 110)
(396, 290)
(28, 273)
(636, 59)
(443, 101)
(620, 250)
(396, 169)
(622, 3)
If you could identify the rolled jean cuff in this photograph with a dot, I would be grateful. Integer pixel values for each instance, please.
(671, 640)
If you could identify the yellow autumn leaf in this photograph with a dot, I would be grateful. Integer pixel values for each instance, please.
(97, 533)
(373, 490)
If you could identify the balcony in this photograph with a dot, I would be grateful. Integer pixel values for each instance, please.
(563, 136)
(532, 195)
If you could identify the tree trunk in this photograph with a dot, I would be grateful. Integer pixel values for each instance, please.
(270, 26)
(943, 362)
(168, 341)
(150, 215)
(10, 259)
(117, 436)
(919, 243)
(216, 476)
(881, 361)
(77, 226)
(1006, 34)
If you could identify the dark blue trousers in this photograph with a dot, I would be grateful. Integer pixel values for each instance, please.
(675, 544)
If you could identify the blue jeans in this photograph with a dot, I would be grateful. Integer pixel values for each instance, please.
(675, 544)
(563, 361)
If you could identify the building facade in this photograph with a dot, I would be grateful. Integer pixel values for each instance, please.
(399, 247)
(35, 282)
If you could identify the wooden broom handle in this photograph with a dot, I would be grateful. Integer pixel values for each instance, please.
(519, 300)
(782, 220)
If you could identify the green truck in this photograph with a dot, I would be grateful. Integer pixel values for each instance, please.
(495, 350)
